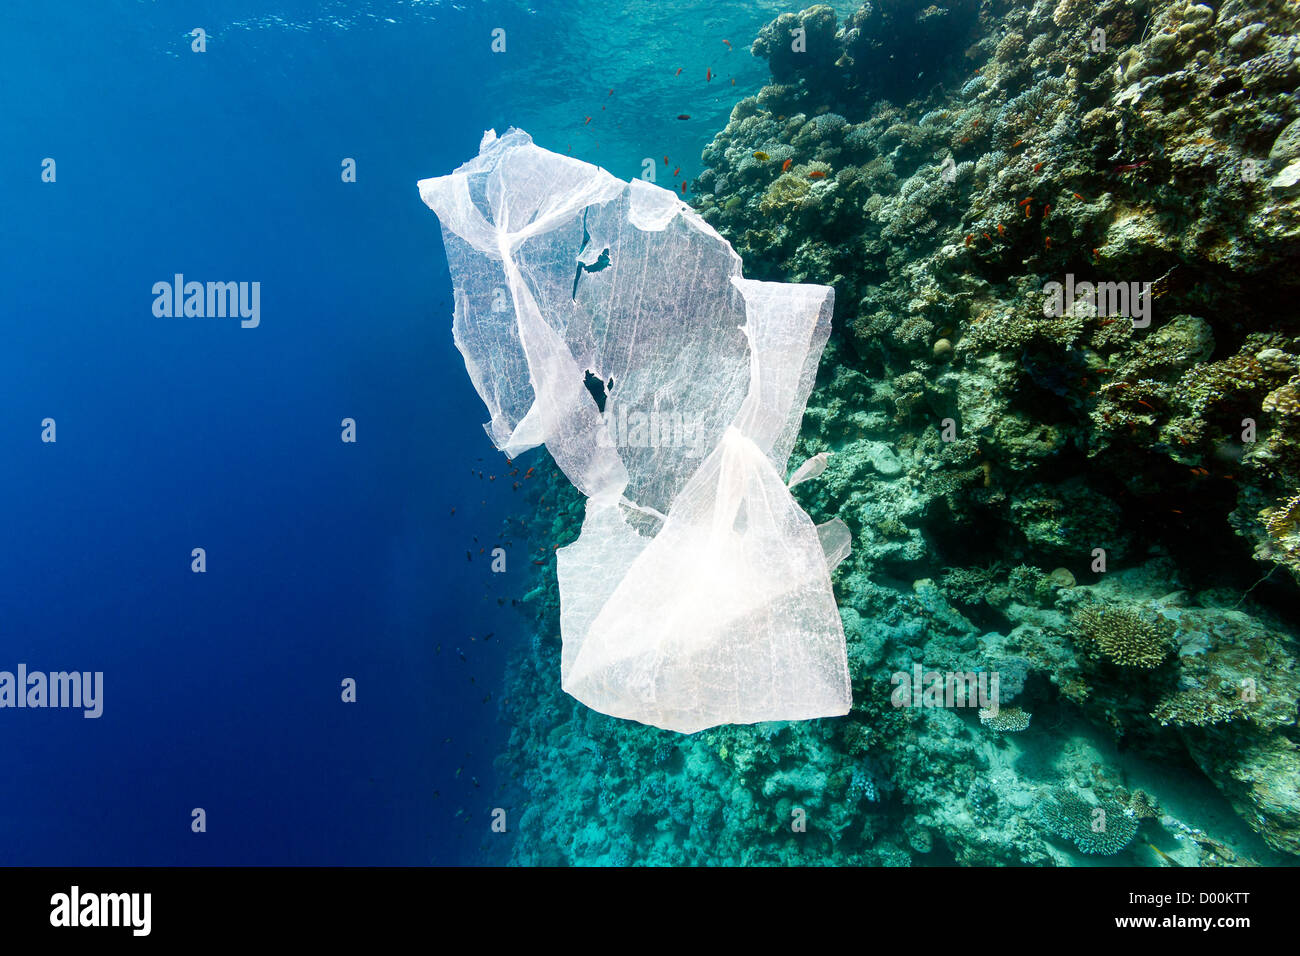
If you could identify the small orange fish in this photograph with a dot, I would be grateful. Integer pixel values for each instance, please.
(1037, 166)
(728, 43)
(588, 121)
(708, 75)
(1095, 255)
(969, 237)
(817, 174)
(677, 172)
(1047, 242)
(610, 93)
(1025, 201)
(1046, 210)
(1175, 511)
(683, 188)
(785, 167)
(679, 72)
(733, 81)
(1016, 143)
(1028, 211)
(1078, 197)
(987, 236)
(665, 160)
(1001, 231)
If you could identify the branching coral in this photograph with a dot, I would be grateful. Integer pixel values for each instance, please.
(1104, 828)
(1008, 720)
(1122, 635)
(1200, 708)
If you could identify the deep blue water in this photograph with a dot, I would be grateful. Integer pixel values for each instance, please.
(325, 560)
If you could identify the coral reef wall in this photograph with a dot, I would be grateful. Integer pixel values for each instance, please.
(1063, 397)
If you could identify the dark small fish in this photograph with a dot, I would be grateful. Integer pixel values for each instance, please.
(468, 556)
(489, 635)
(683, 116)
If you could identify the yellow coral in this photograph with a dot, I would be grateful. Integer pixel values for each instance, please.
(1122, 635)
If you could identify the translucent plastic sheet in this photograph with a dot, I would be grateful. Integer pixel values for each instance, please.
(608, 321)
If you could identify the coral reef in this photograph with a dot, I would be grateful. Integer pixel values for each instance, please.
(1096, 500)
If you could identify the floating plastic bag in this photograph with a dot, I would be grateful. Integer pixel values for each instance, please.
(610, 322)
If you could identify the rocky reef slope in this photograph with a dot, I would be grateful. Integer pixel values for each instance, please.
(1095, 496)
